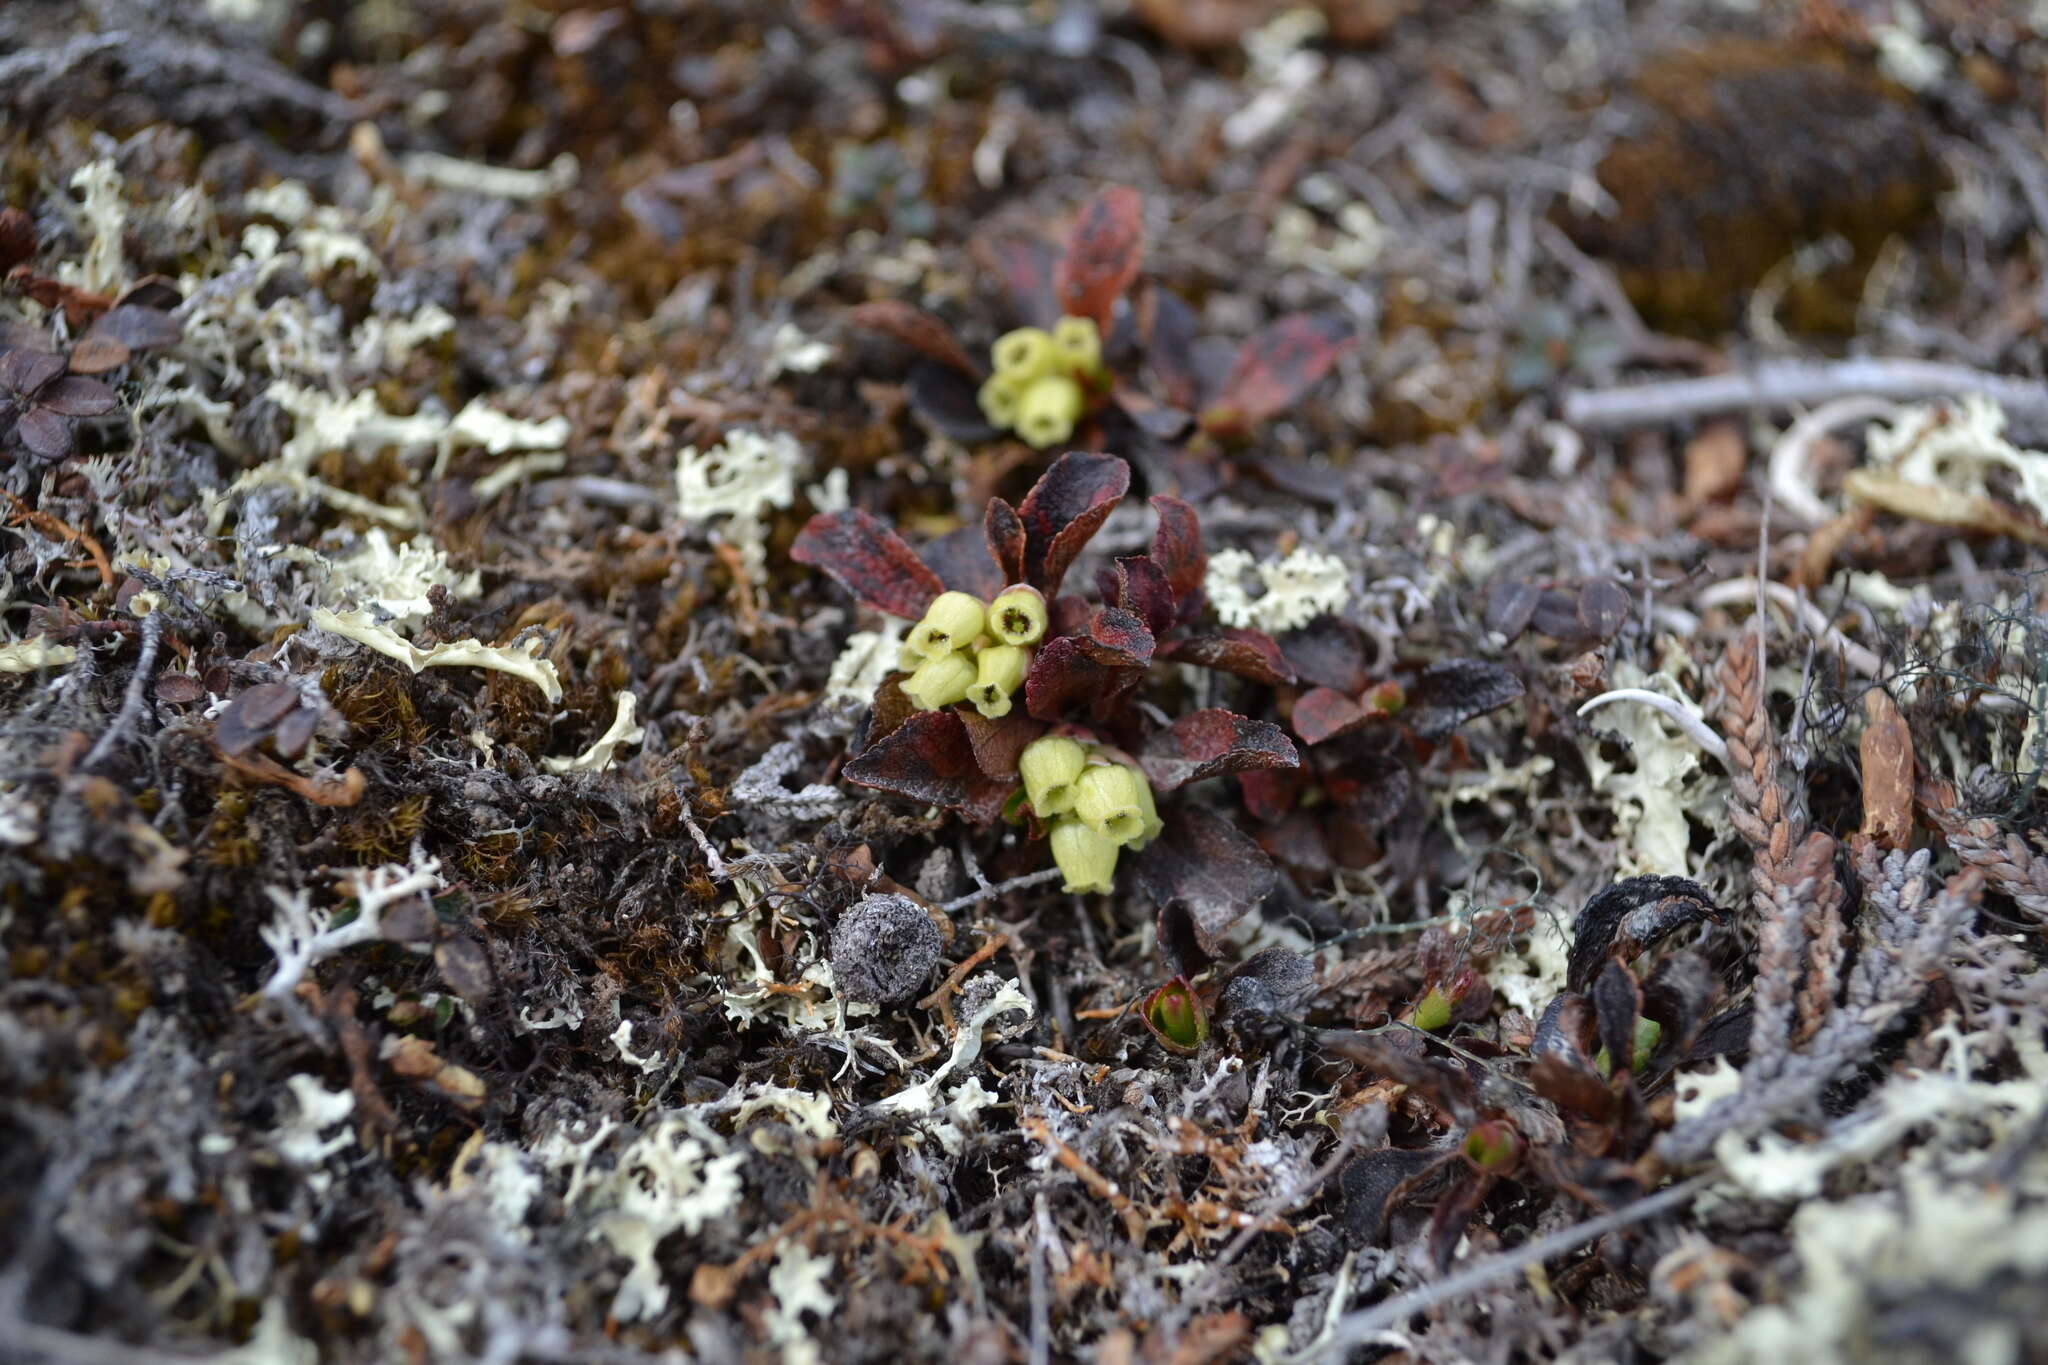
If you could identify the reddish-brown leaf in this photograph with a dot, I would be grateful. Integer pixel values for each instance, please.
(930, 760)
(1210, 743)
(1270, 793)
(76, 396)
(46, 435)
(919, 330)
(944, 399)
(1205, 867)
(1116, 639)
(998, 742)
(1063, 676)
(1453, 691)
(1329, 652)
(1064, 510)
(1322, 713)
(1249, 654)
(1177, 550)
(961, 560)
(137, 327)
(1274, 369)
(98, 354)
(1102, 255)
(1138, 585)
(1005, 532)
(870, 560)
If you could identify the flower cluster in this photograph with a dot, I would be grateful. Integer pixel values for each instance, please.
(1093, 806)
(1042, 379)
(963, 651)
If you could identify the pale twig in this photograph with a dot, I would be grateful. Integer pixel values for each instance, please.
(1029, 879)
(1696, 729)
(1789, 383)
(1791, 483)
(1744, 590)
(1358, 1328)
(133, 699)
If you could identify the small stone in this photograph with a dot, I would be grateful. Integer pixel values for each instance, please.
(883, 950)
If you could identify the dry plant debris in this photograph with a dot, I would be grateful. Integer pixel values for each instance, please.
(823, 680)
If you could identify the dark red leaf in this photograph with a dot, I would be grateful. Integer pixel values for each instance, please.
(1404, 1057)
(1270, 793)
(1630, 916)
(1556, 614)
(962, 561)
(1579, 1089)
(1005, 532)
(1062, 677)
(930, 760)
(1210, 743)
(1329, 652)
(76, 396)
(1453, 691)
(1116, 639)
(46, 435)
(137, 327)
(869, 560)
(998, 742)
(1322, 713)
(1603, 607)
(1454, 1210)
(158, 293)
(1139, 586)
(1025, 265)
(1274, 369)
(1249, 654)
(1205, 866)
(1167, 329)
(1064, 510)
(1301, 842)
(1177, 550)
(944, 399)
(1102, 254)
(1365, 775)
(920, 331)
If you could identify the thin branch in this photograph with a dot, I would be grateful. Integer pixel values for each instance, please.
(133, 700)
(1789, 383)
(1358, 1328)
(1696, 729)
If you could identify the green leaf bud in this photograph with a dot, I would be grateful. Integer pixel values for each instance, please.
(940, 681)
(1024, 355)
(1079, 344)
(1175, 1015)
(1049, 409)
(1049, 766)
(999, 396)
(1086, 857)
(1106, 799)
(951, 622)
(1018, 616)
(1433, 1011)
(999, 672)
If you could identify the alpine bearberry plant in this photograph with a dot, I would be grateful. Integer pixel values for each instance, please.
(1015, 699)
(1100, 357)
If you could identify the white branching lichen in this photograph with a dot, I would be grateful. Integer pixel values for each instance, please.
(738, 482)
(1298, 588)
(600, 756)
(521, 661)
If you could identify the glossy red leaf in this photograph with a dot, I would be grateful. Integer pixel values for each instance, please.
(1204, 867)
(1116, 639)
(1210, 743)
(929, 759)
(1064, 510)
(1274, 369)
(1322, 713)
(1270, 793)
(870, 560)
(1005, 532)
(1249, 654)
(1177, 550)
(921, 331)
(1102, 255)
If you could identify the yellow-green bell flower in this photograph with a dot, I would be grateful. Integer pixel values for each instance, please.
(1018, 616)
(1086, 857)
(940, 681)
(1048, 411)
(1106, 800)
(1149, 809)
(999, 396)
(951, 622)
(1024, 354)
(1049, 766)
(1079, 345)
(999, 672)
